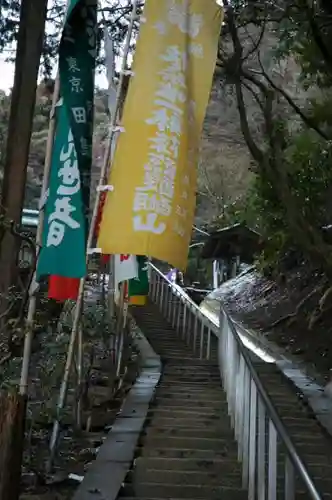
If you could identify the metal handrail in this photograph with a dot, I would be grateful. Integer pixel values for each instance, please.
(178, 291)
(273, 414)
(249, 405)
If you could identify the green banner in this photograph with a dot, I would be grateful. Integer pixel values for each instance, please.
(66, 211)
(140, 285)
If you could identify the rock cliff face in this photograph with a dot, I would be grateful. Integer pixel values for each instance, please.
(225, 168)
(223, 171)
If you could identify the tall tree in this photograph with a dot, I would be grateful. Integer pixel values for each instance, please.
(247, 29)
(29, 49)
(290, 136)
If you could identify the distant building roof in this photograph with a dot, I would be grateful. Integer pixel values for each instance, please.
(231, 241)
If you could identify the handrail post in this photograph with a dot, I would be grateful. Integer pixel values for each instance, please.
(201, 343)
(184, 326)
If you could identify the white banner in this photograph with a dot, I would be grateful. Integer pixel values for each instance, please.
(125, 268)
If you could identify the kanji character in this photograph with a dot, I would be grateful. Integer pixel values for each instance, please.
(149, 224)
(62, 213)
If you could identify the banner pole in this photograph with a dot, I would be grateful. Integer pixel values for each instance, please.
(39, 235)
(80, 361)
(77, 314)
(33, 288)
(110, 68)
(121, 330)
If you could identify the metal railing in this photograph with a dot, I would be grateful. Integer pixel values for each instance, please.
(271, 465)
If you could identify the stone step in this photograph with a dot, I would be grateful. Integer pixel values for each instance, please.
(207, 396)
(171, 376)
(195, 385)
(290, 403)
(185, 350)
(168, 452)
(182, 389)
(303, 435)
(222, 432)
(194, 366)
(166, 491)
(299, 496)
(195, 376)
(189, 443)
(189, 448)
(225, 465)
(190, 478)
(201, 422)
(181, 357)
(205, 365)
(202, 365)
(291, 411)
(321, 473)
(312, 448)
(300, 423)
(230, 478)
(172, 492)
(177, 354)
(195, 372)
(192, 405)
(182, 412)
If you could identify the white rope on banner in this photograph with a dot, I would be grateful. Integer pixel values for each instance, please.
(106, 187)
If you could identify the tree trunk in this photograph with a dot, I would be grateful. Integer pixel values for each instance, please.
(12, 419)
(29, 47)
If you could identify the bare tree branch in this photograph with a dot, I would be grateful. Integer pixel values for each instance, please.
(235, 64)
(306, 119)
(253, 93)
(256, 44)
(309, 8)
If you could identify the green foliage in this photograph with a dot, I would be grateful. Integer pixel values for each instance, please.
(301, 157)
(9, 15)
(306, 34)
(307, 160)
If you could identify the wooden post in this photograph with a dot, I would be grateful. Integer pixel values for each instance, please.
(12, 421)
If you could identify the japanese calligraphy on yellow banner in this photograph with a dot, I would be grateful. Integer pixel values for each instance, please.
(151, 209)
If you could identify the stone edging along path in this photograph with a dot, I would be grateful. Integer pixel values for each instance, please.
(106, 474)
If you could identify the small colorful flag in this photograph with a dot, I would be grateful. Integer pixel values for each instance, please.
(138, 288)
(62, 289)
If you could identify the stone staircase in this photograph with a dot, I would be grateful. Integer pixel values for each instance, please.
(312, 442)
(187, 449)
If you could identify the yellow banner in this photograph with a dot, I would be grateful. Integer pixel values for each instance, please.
(151, 209)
